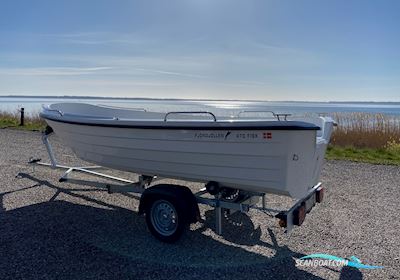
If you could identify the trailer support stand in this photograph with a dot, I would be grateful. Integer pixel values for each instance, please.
(45, 140)
(218, 220)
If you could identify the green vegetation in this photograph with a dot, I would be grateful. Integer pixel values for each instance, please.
(373, 138)
(12, 120)
(376, 156)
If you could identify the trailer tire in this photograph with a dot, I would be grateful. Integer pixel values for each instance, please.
(166, 218)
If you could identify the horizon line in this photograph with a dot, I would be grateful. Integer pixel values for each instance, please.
(181, 99)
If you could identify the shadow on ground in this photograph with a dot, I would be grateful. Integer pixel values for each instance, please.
(63, 240)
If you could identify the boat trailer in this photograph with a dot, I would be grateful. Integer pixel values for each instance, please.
(169, 208)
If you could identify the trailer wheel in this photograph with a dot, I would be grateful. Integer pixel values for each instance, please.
(165, 219)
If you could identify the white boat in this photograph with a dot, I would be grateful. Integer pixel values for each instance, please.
(264, 155)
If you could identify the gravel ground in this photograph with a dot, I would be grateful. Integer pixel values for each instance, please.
(52, 230)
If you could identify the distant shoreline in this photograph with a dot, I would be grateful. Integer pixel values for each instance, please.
(194, 99)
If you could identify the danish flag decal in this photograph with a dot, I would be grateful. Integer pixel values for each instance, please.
(267, 135)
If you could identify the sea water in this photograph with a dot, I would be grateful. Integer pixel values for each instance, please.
(33, 105)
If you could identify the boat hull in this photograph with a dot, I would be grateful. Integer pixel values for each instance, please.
(286, 162)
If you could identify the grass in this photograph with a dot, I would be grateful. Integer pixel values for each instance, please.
(361, 137)
(12, 120)
(375, 156)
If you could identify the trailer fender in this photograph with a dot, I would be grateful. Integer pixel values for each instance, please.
(179, 193)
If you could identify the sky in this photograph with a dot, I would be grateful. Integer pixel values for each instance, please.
(302, 50)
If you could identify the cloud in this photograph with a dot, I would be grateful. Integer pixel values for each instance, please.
(97, 38)
(163, 72)
(52, 71)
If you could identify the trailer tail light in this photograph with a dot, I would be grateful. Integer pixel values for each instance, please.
(299, 215)
(282, 223)
(282, 219)
(301, 208)
(319, 195)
